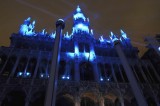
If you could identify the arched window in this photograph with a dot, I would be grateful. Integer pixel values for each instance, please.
(43, 68)
(64, 101)
(9, 66)
(37, 99)
(151, 72)
(147, 74)
(3, 59)
(117, 73)
(62, 67)
(85, 101)
(101, 71)
(123, 73)
(139, 74)
(108, 72)
(32, 66)
(117, 102)
(108, 102)
(86, 71)
(21, 66)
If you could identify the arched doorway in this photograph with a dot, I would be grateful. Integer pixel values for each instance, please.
(86, 71)
(14, 98)
(64, 101)
(108, 102)
(9, 66)
(38, 99)
(117, 102)
(85, 101)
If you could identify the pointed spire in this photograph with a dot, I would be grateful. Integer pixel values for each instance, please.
(78, 9)
(123, 34)
(113, 37)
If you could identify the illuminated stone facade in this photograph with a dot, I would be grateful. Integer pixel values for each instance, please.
(92, 72)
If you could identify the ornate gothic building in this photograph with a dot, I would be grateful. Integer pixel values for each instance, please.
(92, 72)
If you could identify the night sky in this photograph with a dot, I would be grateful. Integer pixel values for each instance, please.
(138, 18)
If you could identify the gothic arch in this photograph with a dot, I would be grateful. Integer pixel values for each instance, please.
(139, 74)
(117, 72)
(9, 66)
(62, 67)
(151, 72)
(64, 99)
(3, 58)
(22, 65)
(42, 67)
(86, 101)
(117, 102)
(86, 71)
(38, 98)
(108, 71)
(108, 102)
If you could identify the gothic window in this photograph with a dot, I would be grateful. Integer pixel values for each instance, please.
(85, 101)
(64, 101)
(84, 47)
(62, 66)
(9, 66)
(37, 99)
(108, 102)
(43, 68)
(101, 70)
(117, 102)
(147, 74)
(3, 59)
(123, 73)
(117, 73)
(32, 66)
(151, 72)
(86, 71)
(139, 74)
(108, 72)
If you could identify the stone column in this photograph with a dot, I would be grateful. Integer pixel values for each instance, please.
(77, 101)
(101, 101)
(132, 80)
(121, 100)
(76, 71)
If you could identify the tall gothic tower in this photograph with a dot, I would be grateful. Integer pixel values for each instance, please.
(92, 72)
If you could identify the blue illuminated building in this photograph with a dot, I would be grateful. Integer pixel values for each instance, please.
(91, 72)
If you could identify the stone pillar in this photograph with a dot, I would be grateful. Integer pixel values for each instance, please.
(76, 71)
(77, 101)
(121, 100)
(132, 80)
(101, 101)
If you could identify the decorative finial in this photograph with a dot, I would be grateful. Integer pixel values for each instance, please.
(78, 9)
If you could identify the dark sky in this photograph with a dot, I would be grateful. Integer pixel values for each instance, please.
(138, 18)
